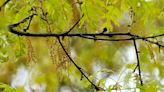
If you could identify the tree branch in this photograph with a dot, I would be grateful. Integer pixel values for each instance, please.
(138, 62)
(79, 68)
(91, 36)
(104, 36)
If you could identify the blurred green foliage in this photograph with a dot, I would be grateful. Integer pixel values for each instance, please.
(108, 64)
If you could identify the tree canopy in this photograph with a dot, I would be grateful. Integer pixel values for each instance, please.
(82, 45)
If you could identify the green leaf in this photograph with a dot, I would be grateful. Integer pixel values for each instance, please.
(6, 88)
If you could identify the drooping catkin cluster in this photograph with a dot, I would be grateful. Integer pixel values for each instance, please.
(31, 54)
(57, 55)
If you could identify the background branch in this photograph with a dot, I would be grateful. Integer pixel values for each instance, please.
(7, 1)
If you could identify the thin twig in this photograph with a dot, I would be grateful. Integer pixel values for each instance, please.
(138, 62)
(156, 42)
(135, 68)
(31, 17)
(74, 25)
(79, 68)
(11, 26)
